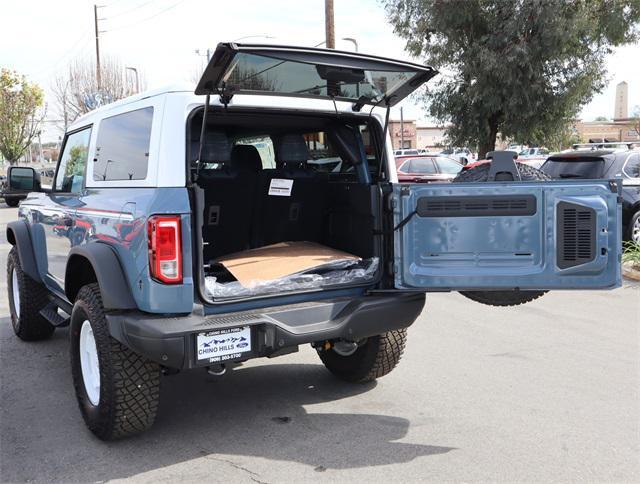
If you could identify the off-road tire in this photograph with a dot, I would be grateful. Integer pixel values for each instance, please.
(30, 326)
(129, 383)
(373, 359)
(479, 174)
(12, 202)
(634, 219)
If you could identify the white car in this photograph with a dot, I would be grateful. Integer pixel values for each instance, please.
(408, 152)
(534, 157)
(461, 155)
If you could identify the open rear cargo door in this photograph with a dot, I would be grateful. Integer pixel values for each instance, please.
(310, 72)
(526, 235)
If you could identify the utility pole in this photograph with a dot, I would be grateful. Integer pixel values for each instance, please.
(401, 129)
(330, 32)
(40, 146)
(95, 19)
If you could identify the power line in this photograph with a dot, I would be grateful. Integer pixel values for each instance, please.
(138, 22)
(127, 11)
(78, 45)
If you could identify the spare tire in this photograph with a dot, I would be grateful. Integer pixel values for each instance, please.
(480, 174)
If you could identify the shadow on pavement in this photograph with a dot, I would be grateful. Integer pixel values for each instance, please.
(256, 411)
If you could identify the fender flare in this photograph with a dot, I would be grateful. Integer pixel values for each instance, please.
(114, 288)
(18, 235)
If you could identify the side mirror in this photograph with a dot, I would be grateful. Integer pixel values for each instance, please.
(23, 179)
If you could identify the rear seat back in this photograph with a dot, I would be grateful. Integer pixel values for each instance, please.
(295, 214)
(229, 193)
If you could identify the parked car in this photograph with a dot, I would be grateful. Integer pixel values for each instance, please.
(173, 199)
(408, 152)
(534, 157)
(46, 176)
(22, 182)
(594, 163)
(424, 169)
(462, 155)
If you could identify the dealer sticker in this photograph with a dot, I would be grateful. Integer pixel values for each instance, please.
(223, 345)
(280, 187)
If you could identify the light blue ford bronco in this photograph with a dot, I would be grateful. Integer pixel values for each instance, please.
(283, 151)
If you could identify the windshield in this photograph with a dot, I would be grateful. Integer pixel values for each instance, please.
(591, 169)
(251, 72)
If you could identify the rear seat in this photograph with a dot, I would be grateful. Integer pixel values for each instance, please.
(229, 193)
(298, 215)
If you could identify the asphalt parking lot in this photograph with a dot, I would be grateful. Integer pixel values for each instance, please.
(545, 392)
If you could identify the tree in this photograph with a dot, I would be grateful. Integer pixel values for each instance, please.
(522, 68)
(601, 118)
(76, 89)
(21, 114)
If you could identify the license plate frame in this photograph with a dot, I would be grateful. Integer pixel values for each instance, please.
(223, 345)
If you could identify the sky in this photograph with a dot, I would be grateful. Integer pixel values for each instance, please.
(159, 37)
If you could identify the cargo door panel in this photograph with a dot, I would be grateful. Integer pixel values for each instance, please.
(527, 235)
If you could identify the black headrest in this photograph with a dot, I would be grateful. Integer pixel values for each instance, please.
(291, 148)
(246, 158)
(216, 148)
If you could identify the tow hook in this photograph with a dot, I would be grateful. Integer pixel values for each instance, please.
(216, 370)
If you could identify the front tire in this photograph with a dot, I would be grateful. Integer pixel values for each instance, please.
(117, 390)
(26, 299)
(373, 359)
(479, 174)
(12, 202)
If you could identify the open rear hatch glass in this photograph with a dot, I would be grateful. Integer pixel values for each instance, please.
(310, 72)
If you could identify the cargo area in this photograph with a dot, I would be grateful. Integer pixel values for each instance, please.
(292, 192)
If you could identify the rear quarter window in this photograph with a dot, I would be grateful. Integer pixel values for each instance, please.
(122, 147)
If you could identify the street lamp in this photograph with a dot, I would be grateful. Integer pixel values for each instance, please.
(137, 79)
(353, 41)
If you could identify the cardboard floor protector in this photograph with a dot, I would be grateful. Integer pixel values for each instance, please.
(279, 260)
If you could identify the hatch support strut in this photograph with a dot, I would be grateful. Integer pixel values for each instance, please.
(202, 131)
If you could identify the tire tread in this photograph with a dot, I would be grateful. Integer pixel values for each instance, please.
(130, 382)
(32, 326)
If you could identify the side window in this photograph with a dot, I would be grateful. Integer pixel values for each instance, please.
(423, 166)
(632, 167)
(73, 162)
(122, 147)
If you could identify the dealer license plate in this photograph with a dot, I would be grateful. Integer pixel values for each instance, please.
(223, 345)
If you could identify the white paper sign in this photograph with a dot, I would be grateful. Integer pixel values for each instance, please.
(280, 187)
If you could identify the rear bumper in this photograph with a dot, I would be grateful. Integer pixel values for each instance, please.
(171, 341)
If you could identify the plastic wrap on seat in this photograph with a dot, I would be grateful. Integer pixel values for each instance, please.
(336, 273)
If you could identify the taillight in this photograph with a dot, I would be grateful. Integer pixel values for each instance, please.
(165, 248)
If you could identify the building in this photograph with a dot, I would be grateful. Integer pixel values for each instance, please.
(607, 131)
(621, 109)
(430, 137)
(400, 132)
(621, 128)
(423, 136)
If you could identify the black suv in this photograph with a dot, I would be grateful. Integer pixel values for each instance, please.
(608, 160)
